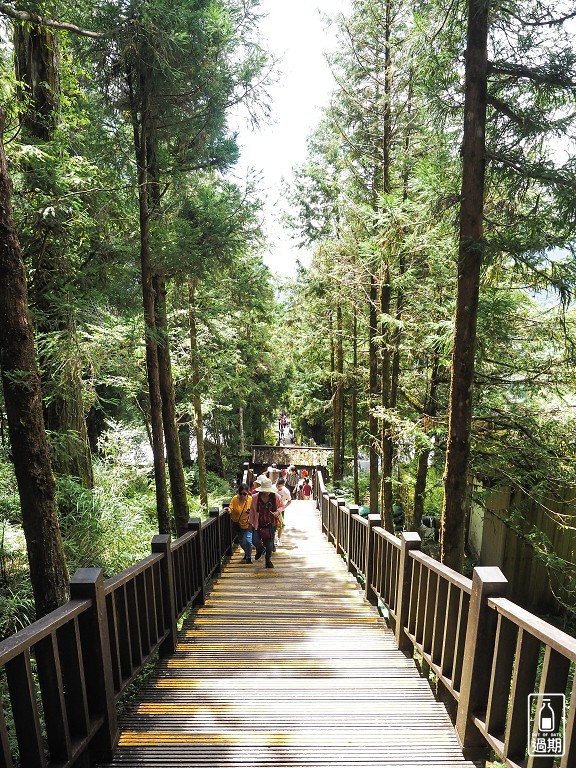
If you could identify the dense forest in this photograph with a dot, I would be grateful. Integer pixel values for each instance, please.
(144, 345)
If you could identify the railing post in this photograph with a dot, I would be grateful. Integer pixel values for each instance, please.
(161, 544)
(340, 502)
(228, 543)
(331, 498)
(214, 512)
(324, 510)
(409, 540)
(487, 581)
(88, 583)
(316, 487)
(353, 509)
(195, 524)
(373, 521)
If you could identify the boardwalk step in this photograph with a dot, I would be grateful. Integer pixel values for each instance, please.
(285, 668)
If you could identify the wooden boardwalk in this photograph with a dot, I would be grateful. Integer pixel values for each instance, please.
(287, 667)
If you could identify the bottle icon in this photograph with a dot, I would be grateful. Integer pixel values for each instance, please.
(546, 717)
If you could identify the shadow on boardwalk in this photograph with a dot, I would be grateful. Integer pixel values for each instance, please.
(288, 667)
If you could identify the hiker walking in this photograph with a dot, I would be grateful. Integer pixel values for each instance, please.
(264, 515)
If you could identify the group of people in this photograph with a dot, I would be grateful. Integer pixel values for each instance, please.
(258, 512)
(297, 483)
(286, 434)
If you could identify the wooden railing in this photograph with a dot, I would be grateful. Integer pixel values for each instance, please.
(65, 673)
(488, 653)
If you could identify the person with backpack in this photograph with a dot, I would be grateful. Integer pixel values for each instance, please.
(286, 497)
(239, 512)
(265, 511)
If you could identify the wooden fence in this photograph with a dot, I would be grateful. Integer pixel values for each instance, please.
(65, 673)
(487, 652)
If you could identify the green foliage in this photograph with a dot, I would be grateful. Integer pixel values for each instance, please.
(17, 609)
(218, 487)
(110, 527)
(345, 488)
(9, 499)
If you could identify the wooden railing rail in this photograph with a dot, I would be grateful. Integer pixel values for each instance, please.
(528, 655)
(489, 653)
(438, 616)
(65, 673)
(137, 620)
(356, 553)
(386, 569)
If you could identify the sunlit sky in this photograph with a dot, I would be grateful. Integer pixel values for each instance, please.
(296, 33)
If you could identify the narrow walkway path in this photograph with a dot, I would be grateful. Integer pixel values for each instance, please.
(288, 667)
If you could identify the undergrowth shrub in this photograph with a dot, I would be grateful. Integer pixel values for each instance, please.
(119, 516)
(218, 490)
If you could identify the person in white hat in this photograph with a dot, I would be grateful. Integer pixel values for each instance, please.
(264, 514)
(256, 484)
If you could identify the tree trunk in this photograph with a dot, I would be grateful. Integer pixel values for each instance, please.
(469, 265)
(184, 437)
(175, 466)
(64, 414)
(195, 369)
(337, 398)
(386, 496)
(373, 384)
(36, 63)
(354, 408)
(430, 411)
(152, 368)
(386, 493)
(218, 444)
(23, 399)
(241, 431)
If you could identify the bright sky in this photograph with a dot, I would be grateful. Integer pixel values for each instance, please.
(296, 34)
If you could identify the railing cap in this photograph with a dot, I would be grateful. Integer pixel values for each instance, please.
(87, 576)
(489, 576)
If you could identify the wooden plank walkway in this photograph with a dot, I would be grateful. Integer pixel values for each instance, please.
(288, 667)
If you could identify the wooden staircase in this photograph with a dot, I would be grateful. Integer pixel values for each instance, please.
(288, 666)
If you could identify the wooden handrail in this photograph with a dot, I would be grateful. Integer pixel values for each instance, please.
(453, 577)
(34, 633)
(130, 573)
(485, 649)
(543, 631)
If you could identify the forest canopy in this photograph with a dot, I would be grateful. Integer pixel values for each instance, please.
(144, 345)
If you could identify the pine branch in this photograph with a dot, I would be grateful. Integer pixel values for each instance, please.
(523, 121)
(35, 18)
(532, 172)
(537, 75)
(546, 22)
